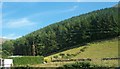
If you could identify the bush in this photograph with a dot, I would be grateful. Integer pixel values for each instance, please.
(84, 65)
(68, 54)
(82, 50)
(55, 57)
(77, 65)
(62, 55)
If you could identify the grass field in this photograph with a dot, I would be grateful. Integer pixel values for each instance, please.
(26, 60)
(96, 51)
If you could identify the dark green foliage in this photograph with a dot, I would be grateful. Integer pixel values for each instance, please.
(69, 55)
(96, 25)
(83, 49)
(5, 54)
(62, 55)
(27, 60)
(55, 57)
(84, 65)
(77, 65)
(7, 48)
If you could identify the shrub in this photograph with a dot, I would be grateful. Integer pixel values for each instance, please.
(55, 57)
(82, 50)
(77, 65)
(62, 55)
(68, 54)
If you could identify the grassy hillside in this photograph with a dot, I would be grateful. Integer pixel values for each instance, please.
(96, 51)
(100, 50)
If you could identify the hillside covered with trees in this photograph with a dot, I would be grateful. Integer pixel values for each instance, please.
(78, 30)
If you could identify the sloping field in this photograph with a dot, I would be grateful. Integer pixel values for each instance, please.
(95, 51)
